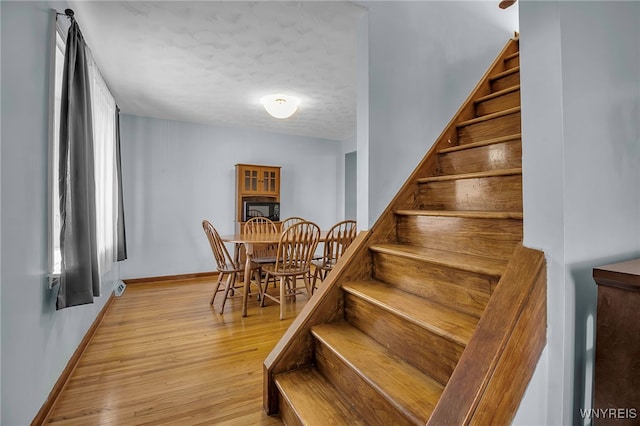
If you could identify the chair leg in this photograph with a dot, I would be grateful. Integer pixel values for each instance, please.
(307, 284)
(292, 284)
(315, 277)
(215, 291)
(258, 280)
(266, 285)
(230, 282)
(282, 297)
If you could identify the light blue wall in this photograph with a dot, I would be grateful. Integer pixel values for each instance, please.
(176, 174)
(424, 59)
(37, 340)
(580, 84)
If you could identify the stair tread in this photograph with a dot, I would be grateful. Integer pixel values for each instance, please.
(505, 73)
(488, 117)
(462, 261)
(439, 319)
(411, 391)
(497, 94)
(511, 56)
(481, 143)
(314, 399)
(470, 214)
(489, 173)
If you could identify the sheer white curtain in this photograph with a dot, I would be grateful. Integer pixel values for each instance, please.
(104, 139)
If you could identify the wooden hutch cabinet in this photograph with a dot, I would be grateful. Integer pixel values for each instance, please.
(617, 366)
(255, 183)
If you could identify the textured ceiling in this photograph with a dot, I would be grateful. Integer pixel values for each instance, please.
(211, 61)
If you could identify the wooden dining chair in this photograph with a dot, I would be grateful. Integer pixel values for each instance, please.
(290, 221)
(263, 254)
(260, 225)
(339, 237)
(293, 260)
(227, 267)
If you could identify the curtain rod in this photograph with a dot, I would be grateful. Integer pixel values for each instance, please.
(68, 13)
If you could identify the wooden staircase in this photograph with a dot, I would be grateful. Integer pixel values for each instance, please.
(437, 314)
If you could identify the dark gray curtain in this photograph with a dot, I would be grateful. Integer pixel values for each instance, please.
(122, 237)
(79, 277)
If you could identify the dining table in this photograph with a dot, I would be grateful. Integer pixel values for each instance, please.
(250, 241)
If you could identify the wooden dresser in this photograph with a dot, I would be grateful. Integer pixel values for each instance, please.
(617, 366)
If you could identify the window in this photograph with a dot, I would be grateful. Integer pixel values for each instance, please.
(103, 112)
(54, 199)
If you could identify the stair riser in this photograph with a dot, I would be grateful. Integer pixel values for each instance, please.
(462, 290)
(494, 128)
(305, 397)
(287, 414)
(370, 404)
(498, 156)
(478, 236)
(512, 62)
(495, 193)
(506, 101)
(429, 352)
(505, 82)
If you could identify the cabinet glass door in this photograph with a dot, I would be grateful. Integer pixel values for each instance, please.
(251, 180)
(269, 181)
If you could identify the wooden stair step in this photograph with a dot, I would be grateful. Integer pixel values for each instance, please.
(471, 214)
(495, 125)
(517, 136)
(505, 73)
(475, 175)
(465, 262)
(505, 154)
(497, 101)
(496, 190)
(507, 78)
(310, 399)
(488, 117)
(512, 60)
(438, 273)
(483, 234)
(511, 56)
(438, 319)
(427, 347)
(412, 393)
(497, 94)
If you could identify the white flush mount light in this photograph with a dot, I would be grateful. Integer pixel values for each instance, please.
(280, 105)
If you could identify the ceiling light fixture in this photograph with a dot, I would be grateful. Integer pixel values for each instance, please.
(279, 105)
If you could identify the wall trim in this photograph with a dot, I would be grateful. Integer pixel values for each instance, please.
(146, 280)
(45, 411)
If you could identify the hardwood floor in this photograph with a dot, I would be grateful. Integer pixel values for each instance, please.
(163, 355)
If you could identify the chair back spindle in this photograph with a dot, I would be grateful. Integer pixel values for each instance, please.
(297, 246)
(263, 253)
(220, 252)
(339, 237)
(291, 221)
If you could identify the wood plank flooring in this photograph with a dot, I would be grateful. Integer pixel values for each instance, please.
(163, 355)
